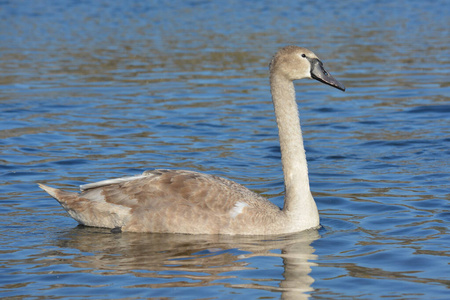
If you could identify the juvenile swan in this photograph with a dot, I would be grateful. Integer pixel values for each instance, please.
(176, 201)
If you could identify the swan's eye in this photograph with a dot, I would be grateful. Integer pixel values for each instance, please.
(303, 55)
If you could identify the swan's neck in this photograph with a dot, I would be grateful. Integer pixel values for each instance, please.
(299, 204)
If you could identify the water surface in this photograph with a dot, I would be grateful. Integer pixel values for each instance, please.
(96, 90)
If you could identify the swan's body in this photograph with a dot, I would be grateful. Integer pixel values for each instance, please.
(176, 201)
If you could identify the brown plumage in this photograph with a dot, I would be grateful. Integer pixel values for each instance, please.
(177, 201)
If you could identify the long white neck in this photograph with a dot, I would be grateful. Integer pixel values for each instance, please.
(299, 204)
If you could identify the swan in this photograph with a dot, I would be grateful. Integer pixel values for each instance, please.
(179, 201)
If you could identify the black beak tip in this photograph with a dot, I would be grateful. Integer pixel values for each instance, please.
(334, 83)
(342, 87)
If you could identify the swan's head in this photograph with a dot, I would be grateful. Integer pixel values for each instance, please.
(294, 63)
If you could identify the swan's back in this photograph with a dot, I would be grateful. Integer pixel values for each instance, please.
(174, 201)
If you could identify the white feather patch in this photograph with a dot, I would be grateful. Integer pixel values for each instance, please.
(94, 185)
(237, 209)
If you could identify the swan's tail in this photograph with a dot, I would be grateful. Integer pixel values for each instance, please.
(51, 191)
(87, 211)
(63, 197)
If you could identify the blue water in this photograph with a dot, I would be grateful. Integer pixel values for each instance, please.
(91, 90)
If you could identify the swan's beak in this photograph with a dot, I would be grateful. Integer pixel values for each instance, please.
(319, 73)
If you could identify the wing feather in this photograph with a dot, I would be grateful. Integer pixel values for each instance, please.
(170, 201)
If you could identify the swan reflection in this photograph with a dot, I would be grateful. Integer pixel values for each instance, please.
(177, 260)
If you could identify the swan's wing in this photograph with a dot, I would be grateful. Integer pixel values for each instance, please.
(169, 201)
(162, 188)
(177, 200)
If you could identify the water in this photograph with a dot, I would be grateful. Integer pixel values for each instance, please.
(91, 90)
